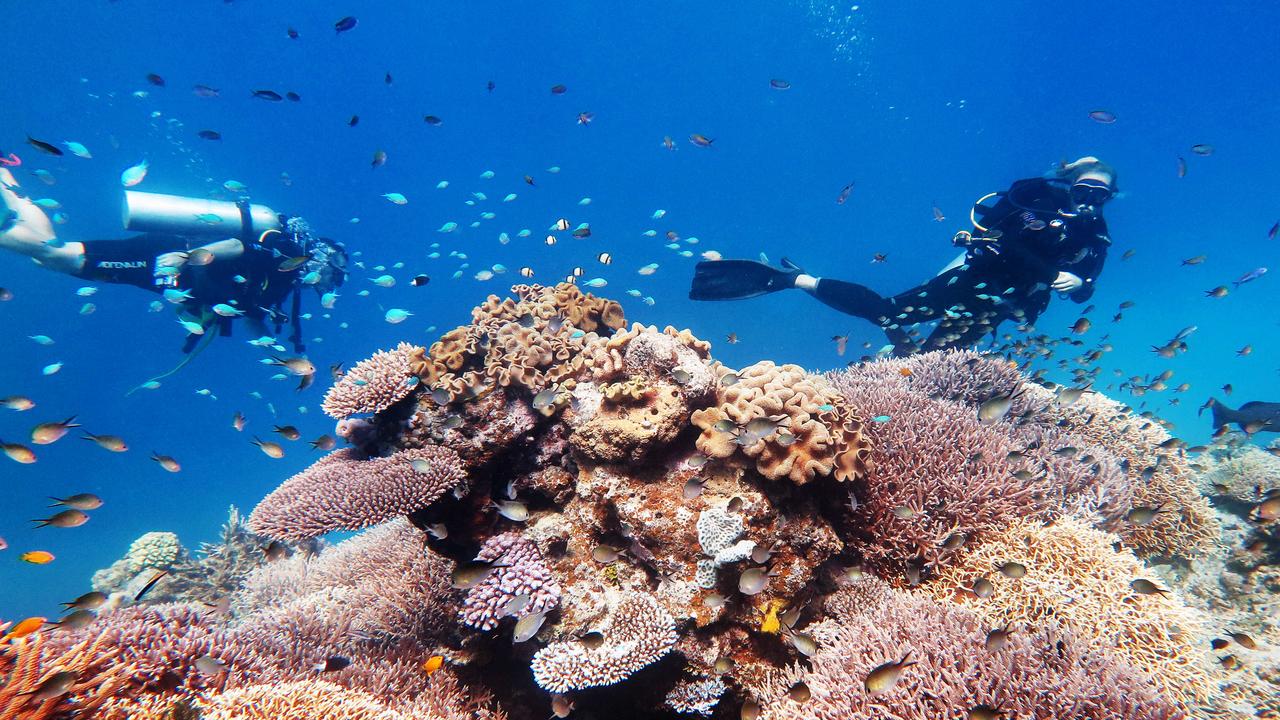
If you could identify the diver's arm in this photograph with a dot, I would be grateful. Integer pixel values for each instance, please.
(26, 230)
(1089, 267)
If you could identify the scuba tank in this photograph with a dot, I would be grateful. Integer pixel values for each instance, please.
(178, 215)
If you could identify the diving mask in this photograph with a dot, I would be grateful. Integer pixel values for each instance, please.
(1088, 192)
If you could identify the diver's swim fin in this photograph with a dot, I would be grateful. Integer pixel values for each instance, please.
(737, 279)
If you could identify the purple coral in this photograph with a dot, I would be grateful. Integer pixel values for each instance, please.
(373, 385)
(341, 491)
(521, 572)
(638, 632)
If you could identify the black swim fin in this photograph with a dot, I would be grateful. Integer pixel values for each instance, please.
(738, 279)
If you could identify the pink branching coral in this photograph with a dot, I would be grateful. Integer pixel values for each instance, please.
(1045, 673)
(373, 385)
(937, 477)
(341, 491)
(519, 572)
(638, 632)
(696, 696)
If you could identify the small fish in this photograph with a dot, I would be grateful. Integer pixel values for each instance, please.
(994, 410)
(295, 365)
(200, 257)
(1014, 570)
(78, 150)
(395, 316)
(432, 120)
(24, 628)
(1144, 515)
(205, 91)
(884, 677)
(44, 146)
(396, 198)
(1142, 586)
(561, 706)
(88, 601)
(324, 442)
(210, 665)
(288, 432)
(1218, 292)
(51, 432)
(379, 159)
(1106, 117)
(937, 214)
(1202, 149)
(54, 686)
(79, 501)
(1182, 167)
(845, 192)
(66, 519)
(76, 620)
(983, 588)
(107, 442)
(345, 24)
(159, 575)
(292, 263)
(701, 140)
(752, 581)
(37, 557)
(1274, 231)
(135, 174)
(1250, 276)
(209, 135)
(528, 626)
(997, 639)
(333, 663)
(432, 664)
(1081, 326)
(605, 554)
(238, 421)
(1198, 259)
(275, 550)
(470, 574)
(513, 510)
(268, 448)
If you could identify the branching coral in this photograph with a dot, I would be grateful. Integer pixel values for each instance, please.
(638, 632)
(26, 663)
(519, 574)
(812, 431)
(374, 384)
(1041, 673)
(1074, 576)
(696, 696)
(1157, 469)
(344, 492)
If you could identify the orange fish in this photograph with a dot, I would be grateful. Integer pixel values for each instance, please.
(433, 663)
(905, 372)
(24, 628)
(37, 557)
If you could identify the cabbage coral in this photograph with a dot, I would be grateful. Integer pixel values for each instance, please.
(1074, 576)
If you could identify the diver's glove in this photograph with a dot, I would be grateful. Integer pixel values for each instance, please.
(1067, 282)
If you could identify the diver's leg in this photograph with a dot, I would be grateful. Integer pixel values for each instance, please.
(26, 230)
(849, 298)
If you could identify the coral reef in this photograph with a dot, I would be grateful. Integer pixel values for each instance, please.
(373, 385)
(345, 491)
(669, 533)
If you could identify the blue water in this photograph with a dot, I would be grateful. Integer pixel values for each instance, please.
(916, 106)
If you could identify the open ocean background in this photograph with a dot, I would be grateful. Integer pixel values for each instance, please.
(917, 104)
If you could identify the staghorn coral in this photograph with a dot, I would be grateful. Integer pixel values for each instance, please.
(637, 633)
(344, 492)
(1074, 576)
(1157, 469)
(1044, 673)
(26, 663)
(1245, 474)
(374, 384)
(519, 573)
(322, 700)
(817, 433)
(938, 477)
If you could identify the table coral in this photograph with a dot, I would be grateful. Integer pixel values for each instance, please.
(373, 385)
(518, 573)
(344, 491)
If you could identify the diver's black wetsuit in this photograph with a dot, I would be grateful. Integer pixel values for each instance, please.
(261, 294)
(1020, 245)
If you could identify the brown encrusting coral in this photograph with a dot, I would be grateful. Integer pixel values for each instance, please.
(563, 512)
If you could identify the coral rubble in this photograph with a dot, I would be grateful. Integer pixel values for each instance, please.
(561, 511)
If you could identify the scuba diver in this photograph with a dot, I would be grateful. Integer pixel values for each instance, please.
(254, 274)
(1041, 235)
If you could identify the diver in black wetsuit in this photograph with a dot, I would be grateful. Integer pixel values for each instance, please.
(1040, 235)
(259, 273)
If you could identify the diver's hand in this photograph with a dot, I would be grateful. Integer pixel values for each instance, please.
(25, 222)
(1067, 282)
(170, 260)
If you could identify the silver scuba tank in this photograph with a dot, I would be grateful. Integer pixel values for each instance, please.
(156, 212)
